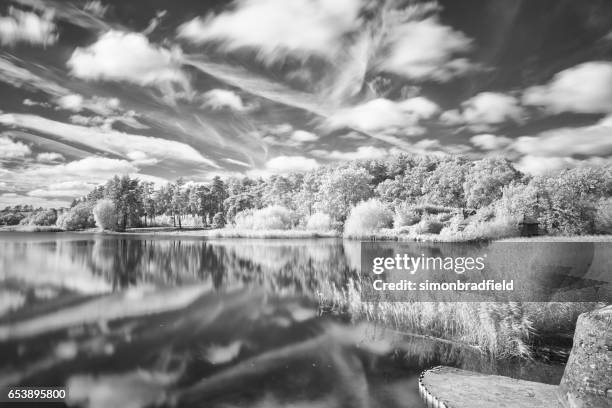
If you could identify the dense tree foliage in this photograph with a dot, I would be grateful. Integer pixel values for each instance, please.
(77, 218)
(410, 186)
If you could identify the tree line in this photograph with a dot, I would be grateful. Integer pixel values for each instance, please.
(569, 202)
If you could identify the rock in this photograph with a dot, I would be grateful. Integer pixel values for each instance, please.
(587, 380)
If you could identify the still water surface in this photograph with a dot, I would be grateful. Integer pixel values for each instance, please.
(141, 321)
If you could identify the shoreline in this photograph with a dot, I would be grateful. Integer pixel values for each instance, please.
(303, 234)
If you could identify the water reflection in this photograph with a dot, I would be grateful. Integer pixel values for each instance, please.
(139, 322)
(192, 345)
(108, 263)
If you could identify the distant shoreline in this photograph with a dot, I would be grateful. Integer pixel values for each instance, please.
(301, 234)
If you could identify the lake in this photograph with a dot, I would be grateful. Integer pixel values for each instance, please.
(136, 321)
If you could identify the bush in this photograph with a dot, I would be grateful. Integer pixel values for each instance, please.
(319, 222)
(78, 217)
(244, 220)
(429, 225)
(368, 217)
(12, 218)
(500, 227)
(44, 218)
(218, 220)
(275, 217)
(105, 215)
(405, 215)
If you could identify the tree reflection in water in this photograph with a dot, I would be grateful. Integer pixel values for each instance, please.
(277, 266)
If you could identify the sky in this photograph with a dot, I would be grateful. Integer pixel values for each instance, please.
(166, 89)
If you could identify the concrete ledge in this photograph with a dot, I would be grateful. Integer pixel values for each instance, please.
(447, 387)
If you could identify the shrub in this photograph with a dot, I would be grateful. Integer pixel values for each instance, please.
(273, 217)
(78, 217)
(105, 215)
(244, 220)
(218, 220)
(44, 218)
(12, 218)
(500, 227)
(405, 215)
(319, 222)
(368, 217)
(429, 225)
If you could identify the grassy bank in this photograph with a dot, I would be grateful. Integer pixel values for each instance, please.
(233, 233)
(394, 235)
(381, 235)
(503, 330)
(561, 238)
(30, 228)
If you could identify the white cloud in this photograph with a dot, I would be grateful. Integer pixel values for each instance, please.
(97, 104)
(73, 102)
(420, 107)
(452, 117)
(64, 181)
(542, 165)
(29, 27)
(130, 57)
(491, 108)
(594, 140)
(66, 189)
(378, 114)
(539, 165)
(110, 141)
(490, 142)
(384, 115)
(302, 136)
(485, 110)
(585, 88)
(277, 28)
(106, 122)
(284, 135)
(12, 199)
(101, 167)
(238, 162)
(142, 159)
(287, 164)
(426, 49)
(12, 150)
(49, 157)
(223, 99)
(362, 153)
(30, 102)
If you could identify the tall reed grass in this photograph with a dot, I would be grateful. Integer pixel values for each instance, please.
(502, 330)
